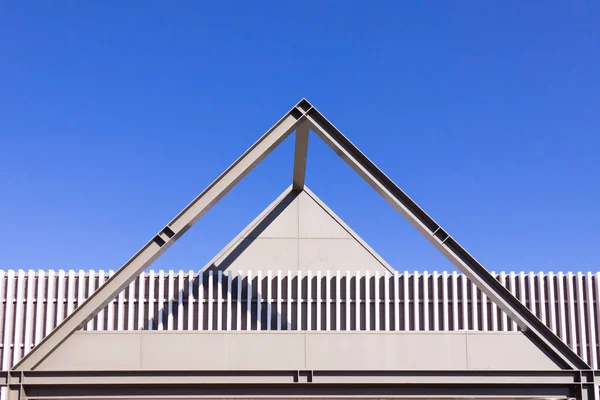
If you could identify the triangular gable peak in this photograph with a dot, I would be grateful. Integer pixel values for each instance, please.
(298, 232)
(302, 118)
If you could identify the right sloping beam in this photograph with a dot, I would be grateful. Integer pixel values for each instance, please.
(531, 326)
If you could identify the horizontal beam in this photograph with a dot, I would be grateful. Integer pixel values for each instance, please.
(166, 237)
(538, 332)
(368, 377)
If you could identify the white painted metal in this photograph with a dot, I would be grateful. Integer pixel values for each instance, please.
(465, 310)
(229, 309)
(416, 299)
(454, 301)
(249, 302)
(542, 297)
(161, 299)
(238, 322)
(29, 296)
(279, 300)
(39, 304)
(376, 301)
(434, 302)
(60, 297)
(357, 321)
(259, 299)
(406, 299)
(425, 281)
(8, 342)
(170, 295)
(269, 297)
(494, 309)
(571, 314)
(201, 300)
(210, 301)
(151, 301)
(18, 335)
(504, 317)
(180, 282)
(220, 300)
(100, 317)
(581, 317)
(348, 296)
(338, 300)
(289, 301)
(561, 307)
(513, 289)
(591, 322)
(318, 301)
(367, 301)
(397, 301)
(551, 303)
(141, 301)
(327, 301)
(299, 301)
(190, 301)
(386, 297)
(308, 301)
(474, 304)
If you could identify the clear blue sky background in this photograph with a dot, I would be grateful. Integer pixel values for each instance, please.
(113, 117)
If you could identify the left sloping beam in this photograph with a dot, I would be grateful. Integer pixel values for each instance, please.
(167, 236)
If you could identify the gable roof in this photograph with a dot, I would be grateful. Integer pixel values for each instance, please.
(302, 117)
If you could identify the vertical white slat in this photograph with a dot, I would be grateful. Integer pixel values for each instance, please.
(494, 309)
(8, 320)
(386, 296)
(181, 283)
(484, 312)
(80, 287)
(591, 325)
(279, 300)
(338, 300)
(151, 301)
(376, 301)
(170, 295)
(121, 311)
(357, 301)
(131, 306)
(18, 338)
(533, 306)
(91, 286)
(465, 302)
(190, 301)
(219, 300)
(327, 302)
(70, 292)
(406, 300)
(571, 306)
(209, 304)
(201, 300)
(597, 325)
(100, 317)
(299, 302)
(269, 297)
(581, 312)
(2, 307)
(29, 296)
(60, 297)
(445, 300)
(249, 302)
(229, 308)
(141, 301)
(434, 302)
(238, 315)
(289, 301)
(551, 303)
(259, 299)
(416, 301)
(542, 297)
(425, 300)
(161, 299)
(513, 289)
(348, 301)
(561, 305)
(110, 325)
(474, 304)
(503, 316)
(454, 301)
(39, 305)
(522, 292)
(318, 298)
(308, 301)
(396, 301)
(367, 301)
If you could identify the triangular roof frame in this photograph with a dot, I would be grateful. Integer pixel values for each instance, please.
(302, 118)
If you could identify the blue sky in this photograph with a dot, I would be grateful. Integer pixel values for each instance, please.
(114, 116)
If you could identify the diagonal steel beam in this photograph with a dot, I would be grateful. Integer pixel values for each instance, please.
(536, 330)
(300, 154)
(167, 236)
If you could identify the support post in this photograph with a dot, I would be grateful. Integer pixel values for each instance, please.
(300, 155)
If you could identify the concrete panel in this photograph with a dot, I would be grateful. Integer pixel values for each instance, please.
(385, 351)
(508, 351)
(280, 222)
(316, 223)
(222, 351)
(261, 254)
(96, 351)
(336, 254)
